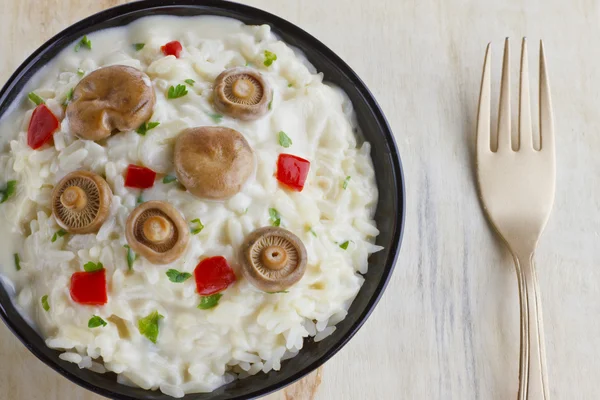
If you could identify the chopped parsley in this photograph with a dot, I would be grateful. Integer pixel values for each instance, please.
(80, 72)
(146, 126)
(270, 104)
(58, 234)
(96, 321)
(216, 117)
(208, 302)
(281, 291)
(84, 42)
(345, 183)
(169, 179)
(269, 58)
(131, 257)
(274, 217)
(91, 266)
(148, 326)
(178, 277)
(310, 229)
(11, 187)
(138, 46)
(290, 84)
(197, 226)
(45, 304)
(68, 98)
(176, 92)
(190, 82)
(284, 140)
(345, 245)
(35, 98)
(140, 198)
(17, 261)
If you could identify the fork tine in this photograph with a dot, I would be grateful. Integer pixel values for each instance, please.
(504, 111)
(483, 115)
(525, 135)
(546, 123)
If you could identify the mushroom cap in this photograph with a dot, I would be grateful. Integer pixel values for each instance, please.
(242, 93)
(273, 259)
(213, 162)
(112, 98)
(81, 201)
(157, 231)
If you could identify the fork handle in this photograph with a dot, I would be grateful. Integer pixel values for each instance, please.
(538, 376)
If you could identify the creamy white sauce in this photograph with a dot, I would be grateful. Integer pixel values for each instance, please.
(249, 331)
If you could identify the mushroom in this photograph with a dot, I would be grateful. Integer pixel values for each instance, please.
(213, 162)
(115, 98)
(242, 93)
(80, 202)
(157, 231)
(273, 259)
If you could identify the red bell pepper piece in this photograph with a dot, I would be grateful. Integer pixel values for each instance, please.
(172, 49)
(41, 127)
(292, 171)
(213, 275)
(139, 177)
(89, 288)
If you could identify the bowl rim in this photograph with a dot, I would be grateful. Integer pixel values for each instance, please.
(38, 57)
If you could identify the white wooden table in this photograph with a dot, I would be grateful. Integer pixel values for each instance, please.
(447, 326)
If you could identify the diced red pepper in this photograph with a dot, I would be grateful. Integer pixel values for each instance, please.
(292, 171)
(139, 177)
(89, 288)
(172, 49)
(213, 275)
(41, 127)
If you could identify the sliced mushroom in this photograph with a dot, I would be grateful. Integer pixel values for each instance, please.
(115, 98)
(81, 201)
(213, 162)
(157, 231)
(273, 259)
(242, 93)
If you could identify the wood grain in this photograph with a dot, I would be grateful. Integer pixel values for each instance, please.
(447, 326)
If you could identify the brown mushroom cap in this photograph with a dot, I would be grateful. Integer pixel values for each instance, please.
(157, 231)
(111, 98)
(242, 93)
(273, 259)
(81, 201)
(213, 162)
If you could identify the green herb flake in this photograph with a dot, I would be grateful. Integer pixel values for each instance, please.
(310, 229)
(281, 291)
(178, 277)
(148, 326)
(84, 42)
(45, 304)
(169, 179)
(68, 98)
(284, 140)
(96, 321)
(146, 126)
(58, 234)
(11, 188)
(80, 72)
(17, 261)
(216, 117)
(138, 46)
(35, 98)
(197, 226)
(131, 257)
(270, 104)
(176, 92)
(269, 58)
(345, 183)
(190, 82)
(91, 266)
(274, 217)
(208, 302)
(345, 245)
(140, 198)
(290, 85)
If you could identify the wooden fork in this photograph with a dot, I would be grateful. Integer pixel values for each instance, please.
(517, 192)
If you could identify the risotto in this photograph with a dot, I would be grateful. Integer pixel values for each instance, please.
(183, 203)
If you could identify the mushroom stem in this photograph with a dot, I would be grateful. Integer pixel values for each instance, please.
(157, 229)
(274, 257)
(74, 198)
(242, 88)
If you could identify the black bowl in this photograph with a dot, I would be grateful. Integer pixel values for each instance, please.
(389, 215)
